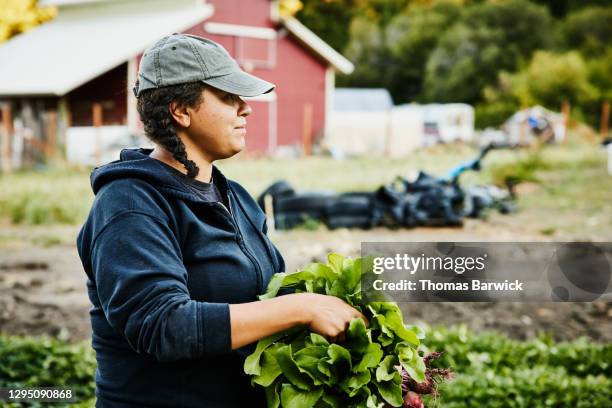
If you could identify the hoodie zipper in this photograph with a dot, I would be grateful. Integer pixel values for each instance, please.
(242, 245)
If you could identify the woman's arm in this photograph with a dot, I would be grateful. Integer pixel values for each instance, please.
(326, 315)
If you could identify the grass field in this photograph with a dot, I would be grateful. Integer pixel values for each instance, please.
(567, 189)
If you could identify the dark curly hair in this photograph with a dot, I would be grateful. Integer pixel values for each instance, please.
(160, 126)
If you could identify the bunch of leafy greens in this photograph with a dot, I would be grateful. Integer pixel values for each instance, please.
(299, 368)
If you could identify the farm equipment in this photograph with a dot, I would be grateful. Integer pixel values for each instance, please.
(426, 200)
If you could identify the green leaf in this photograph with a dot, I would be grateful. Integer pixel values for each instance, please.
(330, 401)
(337, 289)
(357, 338)
(297, 277)
(391, 391)
(320, 270)
(350, 275)
(415, 367)
(335, 262)
(274, 286)
(370, 359)
(316, 340)
(291, 370)
(308, 365)
(352, 384)
(251, 363)
(411, 361)
(372, 402)
(417, 330)
(273, 395)
(340, 359)
(317, 352)
(308, 360)
(325, 368)
(270, 369)
(386, 370)
(360, 397)
(283, 279)
(393, 319)
(388, 381)
(292, 397)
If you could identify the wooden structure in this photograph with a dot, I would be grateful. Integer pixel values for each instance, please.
(68, 84)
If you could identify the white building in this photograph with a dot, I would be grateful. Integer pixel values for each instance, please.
(365, 121)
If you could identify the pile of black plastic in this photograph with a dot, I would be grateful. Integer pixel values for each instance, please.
(425, 201)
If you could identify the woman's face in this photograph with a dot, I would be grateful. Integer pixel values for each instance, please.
(218, 125)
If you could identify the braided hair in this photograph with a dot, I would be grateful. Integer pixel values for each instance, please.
(160, 126)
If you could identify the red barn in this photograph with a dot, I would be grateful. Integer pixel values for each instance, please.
(69, 81)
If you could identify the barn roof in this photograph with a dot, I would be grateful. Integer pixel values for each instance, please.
(362, 99)
(84, 42)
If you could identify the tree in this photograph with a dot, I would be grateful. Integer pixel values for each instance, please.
(17, 16)
(560, 8)
(589, 30)
(367, 50)
(465, 61)
(490, 38)
(550, 79)
(411, 38)
(329, 19)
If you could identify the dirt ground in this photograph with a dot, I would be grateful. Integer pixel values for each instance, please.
(42, 286)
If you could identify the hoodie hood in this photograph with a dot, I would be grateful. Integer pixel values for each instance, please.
(136, 163)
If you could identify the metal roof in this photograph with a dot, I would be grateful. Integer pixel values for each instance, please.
(362, 99)
(83, 42)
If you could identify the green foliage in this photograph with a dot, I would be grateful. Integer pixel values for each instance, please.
(493, 114)
(454, 72)
(56, 196)
(559, 8)
(527, 387)
(495, 371)
(368, 51)
(523, 169)
(329, 19)
(552, 78)
(45, 362)
(411, 37)
(492, 370)
(456, 50)
(299, 368)
(599, 74)
(466, 351)
(589, 30)
(491, 37)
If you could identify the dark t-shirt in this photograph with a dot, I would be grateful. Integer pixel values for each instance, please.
(208, 191)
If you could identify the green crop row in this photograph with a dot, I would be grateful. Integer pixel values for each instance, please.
(491, 370)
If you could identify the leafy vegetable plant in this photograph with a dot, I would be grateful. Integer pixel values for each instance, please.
(377, 366)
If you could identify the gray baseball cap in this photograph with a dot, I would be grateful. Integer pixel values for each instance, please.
(180, 58)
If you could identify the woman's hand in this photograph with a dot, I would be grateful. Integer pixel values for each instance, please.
(328, 315)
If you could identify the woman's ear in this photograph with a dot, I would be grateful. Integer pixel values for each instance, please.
(180, 113)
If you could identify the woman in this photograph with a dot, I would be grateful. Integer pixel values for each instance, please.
(176, 254)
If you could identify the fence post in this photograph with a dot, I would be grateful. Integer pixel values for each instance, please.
(7, 136)
(605, 118)
(566, 111)
(51, 145)
(307, 129)
(97, 122)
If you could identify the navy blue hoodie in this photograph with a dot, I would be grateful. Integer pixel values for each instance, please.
(164, 263)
